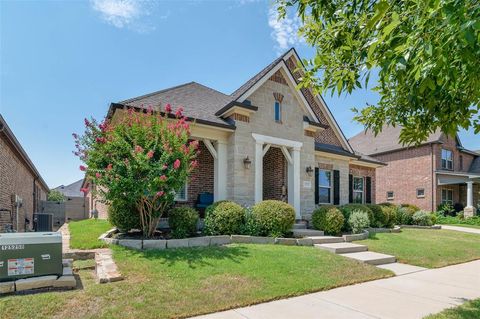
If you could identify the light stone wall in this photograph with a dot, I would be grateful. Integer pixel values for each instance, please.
(343, 167)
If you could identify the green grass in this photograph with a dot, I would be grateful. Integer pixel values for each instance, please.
(426, 247)
(186, 282)
(84, 233)
(469, 310)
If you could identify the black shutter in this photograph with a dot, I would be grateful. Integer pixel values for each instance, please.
(350, 188)
(368, 190)
(336, 187)
(316, 185)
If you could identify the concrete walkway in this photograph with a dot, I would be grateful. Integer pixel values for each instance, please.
(413, 295)
(462, 229)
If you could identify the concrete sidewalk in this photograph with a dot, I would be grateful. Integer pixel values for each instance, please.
(409, 296)
(462, 229)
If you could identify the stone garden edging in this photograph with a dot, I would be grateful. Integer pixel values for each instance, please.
(395, 229)
(353, 237)
(421, 227)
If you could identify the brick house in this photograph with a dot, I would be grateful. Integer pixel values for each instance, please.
(438, 171)
(266, 140)
(76, 203)
(21, 186)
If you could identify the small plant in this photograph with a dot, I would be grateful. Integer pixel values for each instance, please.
(385, 216)
(329, 219)
(404, 216)
(422, 218)
(358, 221)
(348, 209)
(446, 209)
(224, 218)
(251, 226)
(274, 218)
(183, 222)
(55, 196)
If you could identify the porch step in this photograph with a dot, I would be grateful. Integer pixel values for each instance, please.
(326, 239)
(300, 233)
(300, 226)
(371, 258)
(342, 248)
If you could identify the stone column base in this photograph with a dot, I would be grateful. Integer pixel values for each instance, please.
(469, 212)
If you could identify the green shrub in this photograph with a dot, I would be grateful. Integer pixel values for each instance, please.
(376, 210)
(446, 209)
(358, 221)
(274, 218)
(404, 216)
(224, 218)
(422, 218)
(411, 208)
(250, 226)
(329, 219)
(123, 215)
(385, 216)
(441, 219)
(183, 222)
(348, 209)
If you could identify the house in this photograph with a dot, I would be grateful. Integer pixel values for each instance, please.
(438, 171)
(76, 203)
(266, 140)
(21, 185)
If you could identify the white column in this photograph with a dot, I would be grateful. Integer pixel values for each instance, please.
(220, 166)
(296, 181)
(290, 179)
(258, 171)
(469, 194)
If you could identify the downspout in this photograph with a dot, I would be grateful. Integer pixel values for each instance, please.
(434, 191)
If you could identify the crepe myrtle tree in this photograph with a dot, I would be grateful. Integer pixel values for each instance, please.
(142, 157)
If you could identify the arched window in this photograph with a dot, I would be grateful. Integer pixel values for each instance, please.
(277, 109)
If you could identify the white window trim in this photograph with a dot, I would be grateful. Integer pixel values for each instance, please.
(279, 112)
(327, 187)
(186, 195)
(446, 160)
(420, 196)
(357, 191)
(392, 197)
(444, 201)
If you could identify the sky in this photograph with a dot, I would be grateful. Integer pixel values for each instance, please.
(62, 61)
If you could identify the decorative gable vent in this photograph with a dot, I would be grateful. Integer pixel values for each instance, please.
(278, 97)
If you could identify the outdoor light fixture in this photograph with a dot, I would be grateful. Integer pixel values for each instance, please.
(309, 170)
(247, 163)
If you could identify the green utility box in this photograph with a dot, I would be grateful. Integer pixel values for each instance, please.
(24, 255)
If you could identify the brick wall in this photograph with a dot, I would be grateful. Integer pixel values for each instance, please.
(363, 171)
(451, 144)
(274, 174)
(406, 171)
(17, 179)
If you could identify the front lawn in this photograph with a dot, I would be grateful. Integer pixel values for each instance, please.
(187, 282)
(84, 233)
(426, 247)
(469, 310)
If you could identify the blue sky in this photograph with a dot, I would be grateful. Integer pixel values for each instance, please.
(61, 61)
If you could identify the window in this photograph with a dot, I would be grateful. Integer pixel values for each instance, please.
(278, 111)
(324, 187)
(358, 187)
(420, 192)
(447, 196)
(447, 159)
(181, 195)
(461, 162)
(390, 195)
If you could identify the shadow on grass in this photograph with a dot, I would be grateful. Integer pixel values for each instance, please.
(373, 236)
(194, 257)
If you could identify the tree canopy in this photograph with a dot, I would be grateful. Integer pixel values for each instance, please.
(426, 53)
(55, 196)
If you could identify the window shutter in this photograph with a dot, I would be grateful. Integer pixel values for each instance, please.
(350, 188)
(316, 185)
(336, 187)
(368, 190)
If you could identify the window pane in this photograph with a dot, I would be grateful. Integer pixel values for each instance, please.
(358, 183)
(324, 195)
(277, 111)
(324, 178)
(181, 194)
(358, 197)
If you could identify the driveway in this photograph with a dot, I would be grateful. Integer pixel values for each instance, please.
(414, 295)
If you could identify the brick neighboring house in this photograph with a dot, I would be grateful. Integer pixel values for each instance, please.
(266, 140)
(21, 186)
(438, 171)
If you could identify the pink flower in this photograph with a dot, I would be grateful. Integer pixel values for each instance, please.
(164, 167)
(194, 144)
(160, 193)
(87, 122)
(84, 190)
(150, 154)
(176, 164)
(109, 167)
(163, 178)
(83, 168)
(101, 140)
(98, 175)
(179, 111)
(150, 109)
(138, 149)
(194, 163)
(168, 108)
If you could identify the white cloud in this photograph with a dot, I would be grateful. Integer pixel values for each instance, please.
(285, 31)
(123, 13)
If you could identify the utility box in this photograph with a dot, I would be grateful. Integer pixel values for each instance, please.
(24, 255)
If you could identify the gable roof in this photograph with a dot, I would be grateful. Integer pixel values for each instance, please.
(71, 190)
(475, 166)
(386, 141)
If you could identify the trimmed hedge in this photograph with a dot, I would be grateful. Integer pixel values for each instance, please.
(273, 218)
(123, 215)
(358, 221)
(404, 216)
(385, 216)
(183, 222)
(329, 219)
(348, 209)
(423, 218)
(224, 218)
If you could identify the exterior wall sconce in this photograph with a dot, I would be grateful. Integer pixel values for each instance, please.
(247, 163)
(309, 171)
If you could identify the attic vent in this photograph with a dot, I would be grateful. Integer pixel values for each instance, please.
(278, 97)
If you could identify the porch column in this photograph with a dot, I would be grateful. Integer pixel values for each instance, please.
(469, 210)
(258, 171)
(296, 181)
(220, 168)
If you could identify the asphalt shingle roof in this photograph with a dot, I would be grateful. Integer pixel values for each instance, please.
(475, 166)
(72, 190)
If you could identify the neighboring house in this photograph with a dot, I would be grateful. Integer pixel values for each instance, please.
(438, 171)
(266, 140)
(76, 203)
(21, 186)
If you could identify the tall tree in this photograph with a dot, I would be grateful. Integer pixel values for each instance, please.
(426, 53)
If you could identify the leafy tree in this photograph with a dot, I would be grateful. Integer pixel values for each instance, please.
(426, 54)
(141, 158)
(55, 196)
